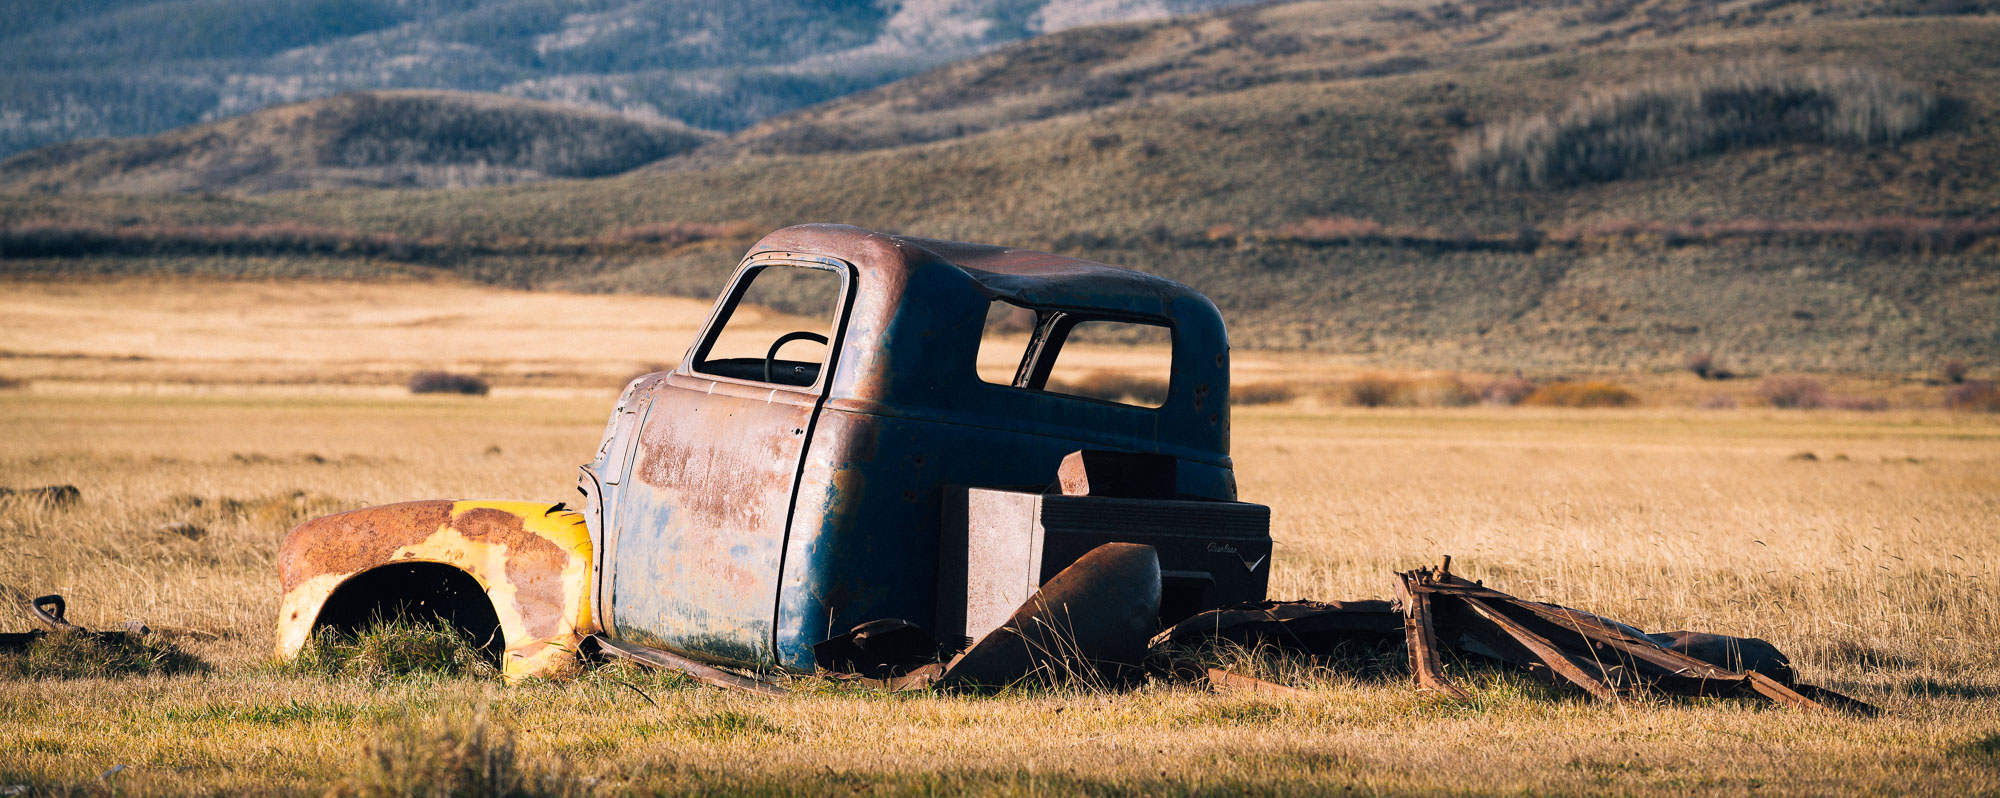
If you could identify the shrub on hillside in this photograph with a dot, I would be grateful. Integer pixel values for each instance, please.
(1864, 403)
(1260, 393)
(1581, 394)
(447, 382)
(1799, 393)
(1806, 393)
(1112, 386)
(1441, 392)
(1370, 390)
(1507, 390)
(1955, 371)
(1721, 401)
(1704, 366)
(11, 383)
(1974, 395)
(1616, 133)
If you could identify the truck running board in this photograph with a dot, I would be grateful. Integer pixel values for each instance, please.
(666, 660)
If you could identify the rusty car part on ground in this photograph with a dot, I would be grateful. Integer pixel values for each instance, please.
(53, 612)
(514, 576)
(1608, 660)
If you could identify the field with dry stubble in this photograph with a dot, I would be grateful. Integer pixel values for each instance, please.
(1873, 571)
(1872, 564)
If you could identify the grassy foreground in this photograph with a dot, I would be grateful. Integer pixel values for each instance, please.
(1871, 565)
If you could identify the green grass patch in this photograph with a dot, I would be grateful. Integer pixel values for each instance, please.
(391, 650)
(293, 711)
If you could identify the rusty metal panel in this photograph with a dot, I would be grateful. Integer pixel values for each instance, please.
(532, 559)
(991, 560)
(1008, 543)
(701, 520)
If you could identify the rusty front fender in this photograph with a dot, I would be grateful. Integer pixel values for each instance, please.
(532, 560)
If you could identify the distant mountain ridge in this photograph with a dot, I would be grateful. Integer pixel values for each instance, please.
(81, 69)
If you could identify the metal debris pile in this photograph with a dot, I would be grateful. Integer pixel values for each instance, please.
(52, 611)
(1604, 658)
(1092, 624)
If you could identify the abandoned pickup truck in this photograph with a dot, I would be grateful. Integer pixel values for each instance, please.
(744, 508)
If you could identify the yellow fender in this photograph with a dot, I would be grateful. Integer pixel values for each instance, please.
(531, 559)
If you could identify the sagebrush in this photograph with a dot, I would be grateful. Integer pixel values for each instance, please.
(1624, 131)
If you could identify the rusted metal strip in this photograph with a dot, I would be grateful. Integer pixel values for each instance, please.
(1595, 629)
(1235, 681)
(1543, 650)
(674, 662)
(1421, 636)
(1778, 693)
(1638, 648)
(51, 610)
(1652, 653)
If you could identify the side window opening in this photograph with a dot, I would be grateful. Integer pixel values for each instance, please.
(776, 328)
(1003, 345)
(1112, 360)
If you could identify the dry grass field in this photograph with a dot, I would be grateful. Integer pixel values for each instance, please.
(1873, 565)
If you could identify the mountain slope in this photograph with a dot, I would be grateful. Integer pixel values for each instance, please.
(1317, 42)
(1322, 213)
(96, 68)
(364, 139)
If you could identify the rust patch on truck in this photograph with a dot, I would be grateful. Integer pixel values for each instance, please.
(348, 542)
(531, 559)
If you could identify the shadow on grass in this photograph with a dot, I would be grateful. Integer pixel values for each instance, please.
(86, 655)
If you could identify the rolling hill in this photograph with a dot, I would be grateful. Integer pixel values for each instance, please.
(1313, 193)
(365, 139)
(102, 68)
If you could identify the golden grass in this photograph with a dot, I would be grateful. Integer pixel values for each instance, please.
(1871, 566)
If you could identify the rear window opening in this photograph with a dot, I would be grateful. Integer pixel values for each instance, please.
(1110, 360)
(777, 327)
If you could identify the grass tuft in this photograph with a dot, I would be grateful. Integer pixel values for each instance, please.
(391, 651)
(1581, 394)
(447, 382)
(1636, 129)
(462, 753)
(1979, 396)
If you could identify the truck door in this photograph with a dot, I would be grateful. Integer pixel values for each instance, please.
(696, 541)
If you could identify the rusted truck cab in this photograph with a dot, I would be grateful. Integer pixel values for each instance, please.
(744, 509)
(788, 480)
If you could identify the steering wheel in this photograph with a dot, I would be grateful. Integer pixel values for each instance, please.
(771, 357)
